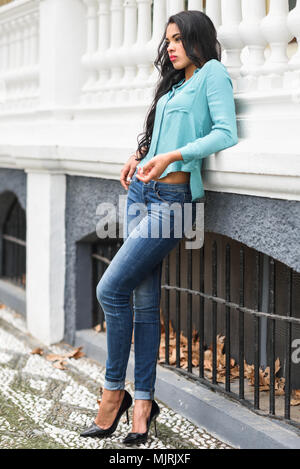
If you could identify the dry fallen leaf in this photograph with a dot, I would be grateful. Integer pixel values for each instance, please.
(295, 397)
(60, 365)
(37, 351)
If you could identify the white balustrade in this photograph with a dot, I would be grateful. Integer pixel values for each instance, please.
(19, 63)
(275, 30)
(122, 38)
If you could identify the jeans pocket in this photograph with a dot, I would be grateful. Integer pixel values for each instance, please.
(169, 196)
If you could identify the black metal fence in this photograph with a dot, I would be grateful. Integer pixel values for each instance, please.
(13, 245)
(240, 310)
(102, 254)
(231, 319)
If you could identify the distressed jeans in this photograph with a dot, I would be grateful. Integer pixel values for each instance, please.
(136, 268)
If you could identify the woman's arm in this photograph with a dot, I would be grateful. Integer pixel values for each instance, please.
(220, 100)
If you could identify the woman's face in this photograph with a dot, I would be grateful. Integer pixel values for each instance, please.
(175, 48)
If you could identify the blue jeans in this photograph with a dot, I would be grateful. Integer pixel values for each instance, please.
(136, 268)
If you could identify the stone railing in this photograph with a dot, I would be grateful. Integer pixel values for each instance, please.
(19, 55)
(120, 50)
(77, 78)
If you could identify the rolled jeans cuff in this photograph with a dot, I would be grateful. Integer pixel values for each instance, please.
(146, 395)
(114, 385)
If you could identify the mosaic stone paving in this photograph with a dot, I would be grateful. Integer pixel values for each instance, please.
(44, 407)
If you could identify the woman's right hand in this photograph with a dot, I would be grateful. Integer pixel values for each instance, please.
(129, 169)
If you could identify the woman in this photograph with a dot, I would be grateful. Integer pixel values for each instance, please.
(192, 116)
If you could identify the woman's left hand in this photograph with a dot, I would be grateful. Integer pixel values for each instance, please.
(153, 169)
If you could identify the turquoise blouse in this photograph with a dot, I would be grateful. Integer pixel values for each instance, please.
(197, 118)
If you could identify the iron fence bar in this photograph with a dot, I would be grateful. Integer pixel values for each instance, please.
(101, 258)
(167, 303)
(227, 317)
(201, 316)
(189, 310)
(292, 320)
(214, 312)
(288, 340)
(271, 329)
(241, 325)
(14, 240)
(257, 330)
(178, 265)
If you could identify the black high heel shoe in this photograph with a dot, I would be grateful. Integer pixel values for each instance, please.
(95, 431)
(136, 438)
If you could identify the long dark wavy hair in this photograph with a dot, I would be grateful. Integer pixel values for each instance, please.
(199, 39)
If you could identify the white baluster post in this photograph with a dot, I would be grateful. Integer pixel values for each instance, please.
(275, 30)
(97, 90)
(126, 55)
(293, 22)
(91, 45)
(112, 54)
(213, 10)
(159, 22)
(195, 5)
(141, 47)
(229, 35)
(253, 11)
(174, 6)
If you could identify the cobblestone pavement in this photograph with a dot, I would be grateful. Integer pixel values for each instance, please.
(43, 407)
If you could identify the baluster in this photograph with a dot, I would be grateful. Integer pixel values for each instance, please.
(126, 55)
(26, 54)
(101, 59)
(141, 48)
(213, 10)
(275, 30)
(87, 59)
(159, 17)
(253, 11)
(3, 51)
(195, 5)
(174, 6)
(293, 22)
(18, 79)
(113, 53)
(229, 36)
(34, 55)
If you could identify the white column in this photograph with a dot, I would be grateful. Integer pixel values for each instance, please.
(142, 45)
(101, 59)
(126, 55)
(213, 10)
(195, 5)
(229, 35)
(253, 11)
(45, 255)
(275, 30)
(62, 43)
(91, 46)
(116, 39)
(293, 22)
(159, 21)
(174, 6)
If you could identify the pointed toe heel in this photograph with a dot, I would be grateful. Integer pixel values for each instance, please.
(141, 438)
(96, 431)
